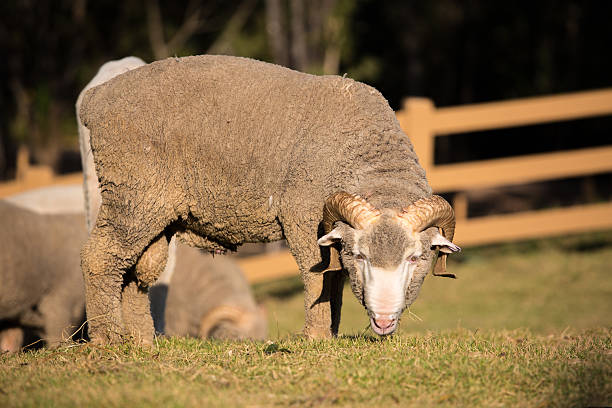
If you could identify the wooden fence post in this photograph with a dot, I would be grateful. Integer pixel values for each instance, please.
(416, 119)
(23, 163)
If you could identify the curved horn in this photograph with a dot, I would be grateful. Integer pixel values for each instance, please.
(218, 314)
(350, 208)
(429, 212)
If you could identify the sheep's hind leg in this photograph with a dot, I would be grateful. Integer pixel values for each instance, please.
(118, 268)
(102, 275)
(135, 305)
(136, 313)
(57, 315)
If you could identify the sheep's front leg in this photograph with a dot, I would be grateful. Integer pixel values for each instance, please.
(135, 303)
(322, 303)
(322, 291)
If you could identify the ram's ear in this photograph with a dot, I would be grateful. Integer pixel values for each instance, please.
(331, 257)
(333, 236)
(443, 244)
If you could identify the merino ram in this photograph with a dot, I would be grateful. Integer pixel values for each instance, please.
(224, 150)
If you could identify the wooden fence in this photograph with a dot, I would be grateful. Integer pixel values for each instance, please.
(422, 121)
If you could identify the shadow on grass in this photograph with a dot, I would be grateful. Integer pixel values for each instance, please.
(272, 348)
(365, 337)
(582, 384)
(279, 289)
(587, 243)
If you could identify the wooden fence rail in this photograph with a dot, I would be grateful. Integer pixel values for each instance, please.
(422, 121)
(30, 177)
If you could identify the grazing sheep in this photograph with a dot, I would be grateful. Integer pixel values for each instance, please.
(209, 298)
(222, 151)
(42, 284)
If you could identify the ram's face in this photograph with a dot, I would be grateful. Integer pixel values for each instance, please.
(383, 248)
(386, 256)
(382, 260)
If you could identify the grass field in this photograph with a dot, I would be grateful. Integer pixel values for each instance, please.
(524, 325)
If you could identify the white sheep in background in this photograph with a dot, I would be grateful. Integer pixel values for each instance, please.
(209, 298)
(42, 285)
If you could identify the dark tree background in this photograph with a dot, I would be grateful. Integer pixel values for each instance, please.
(458, 52)
(453, 52)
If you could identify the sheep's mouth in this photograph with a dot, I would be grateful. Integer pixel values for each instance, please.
(383, 327)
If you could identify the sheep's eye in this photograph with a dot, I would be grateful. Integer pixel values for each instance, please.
(413, 259)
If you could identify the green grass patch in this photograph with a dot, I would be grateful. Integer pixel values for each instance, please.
(449, 368)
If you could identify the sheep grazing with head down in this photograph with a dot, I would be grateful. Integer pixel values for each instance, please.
(207, 298)
(224, 150)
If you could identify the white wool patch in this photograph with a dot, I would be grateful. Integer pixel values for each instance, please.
(113, 68)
